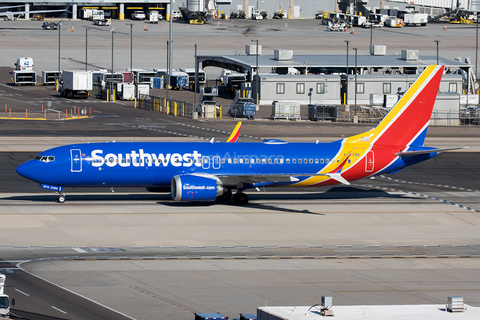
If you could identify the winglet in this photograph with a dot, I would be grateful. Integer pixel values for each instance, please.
(235, 133)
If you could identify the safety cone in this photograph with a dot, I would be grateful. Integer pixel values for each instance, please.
(72, 28)
(144, 28)
(445, 28)
(345, 29)
(353, 31)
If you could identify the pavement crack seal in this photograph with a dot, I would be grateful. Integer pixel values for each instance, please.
(163, 299)
(248, 30)
(421, 195)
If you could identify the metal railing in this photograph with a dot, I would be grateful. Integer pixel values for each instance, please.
(175, 107)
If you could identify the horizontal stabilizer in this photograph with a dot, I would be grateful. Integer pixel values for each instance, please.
(338, 177)
(414, 153)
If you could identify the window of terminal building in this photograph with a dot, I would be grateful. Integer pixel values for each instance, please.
(360, 87)
(320, 88)
(387, 88)
(452, 87)
(280, 88)
(300, 88)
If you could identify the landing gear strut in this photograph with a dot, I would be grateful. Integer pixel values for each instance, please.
(240, 198)
(61, 198)
(225, 196)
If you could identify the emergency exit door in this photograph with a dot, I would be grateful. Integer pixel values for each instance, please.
(76, 156)
(369, 162)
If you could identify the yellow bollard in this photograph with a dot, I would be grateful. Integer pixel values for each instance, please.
(257, 97)
(175, 108)
(113, 95)
(108, 96)
(344, 98)
(220, 112)
(168, 108)
(183, 109)
(135, 103)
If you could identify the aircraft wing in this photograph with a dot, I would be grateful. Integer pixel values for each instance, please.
(234, 180)
(415, 153)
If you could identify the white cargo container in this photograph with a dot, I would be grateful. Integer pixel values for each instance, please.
(76, 83)
(376, 99)
(143, 90)
(390, 100)
(415, 19)
(154, 16)
(24, 77)
(125, 91)
(285, 110)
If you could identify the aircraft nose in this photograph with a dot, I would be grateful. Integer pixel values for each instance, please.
(25, 170)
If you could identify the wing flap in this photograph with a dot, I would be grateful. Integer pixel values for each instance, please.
(414, 153)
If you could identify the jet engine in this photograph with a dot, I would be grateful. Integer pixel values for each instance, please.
(195, 188)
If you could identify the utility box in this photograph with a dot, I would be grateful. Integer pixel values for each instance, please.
(378, 50)
(251, 49)
(283, 55)
(21, 77)
(455, 304)
(326, 301)
(49, 77)
(285, 110)
(390, 100)
(376, 99)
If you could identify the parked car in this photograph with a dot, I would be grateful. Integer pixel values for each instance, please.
(138, 15)
(49, 26)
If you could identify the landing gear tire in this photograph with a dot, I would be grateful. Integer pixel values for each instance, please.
(61, 198)
(225, 196)
(240, 198)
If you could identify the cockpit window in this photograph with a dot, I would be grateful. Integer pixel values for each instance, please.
(44, 158)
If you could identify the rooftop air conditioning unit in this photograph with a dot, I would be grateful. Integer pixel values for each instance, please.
(283, 55)
(410, 55)
(378, 50)
(455, 304)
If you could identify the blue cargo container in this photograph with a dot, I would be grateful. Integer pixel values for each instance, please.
(208, 316)
(156, 83)
(179, 80)
(245, 110)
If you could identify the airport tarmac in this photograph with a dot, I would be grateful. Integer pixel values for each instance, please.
(409, 238)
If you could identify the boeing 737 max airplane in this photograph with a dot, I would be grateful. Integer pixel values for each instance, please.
(208, 171)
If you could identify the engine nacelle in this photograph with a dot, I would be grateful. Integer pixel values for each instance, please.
(195, 188)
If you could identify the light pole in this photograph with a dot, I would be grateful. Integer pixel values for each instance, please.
(111, 79)
(131, 49)
(86, 49)
(194, 109)
(58, 77)
(346, 91)
(371, 33)
(170, 46)
(476, 52)
(257, 89)
(437, 41)
(355, 119)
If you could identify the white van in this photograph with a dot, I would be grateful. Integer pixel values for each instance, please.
(24, 63)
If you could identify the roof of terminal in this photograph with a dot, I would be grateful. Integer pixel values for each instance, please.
(332, 61)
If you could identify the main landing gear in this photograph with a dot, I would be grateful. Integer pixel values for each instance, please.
(61, 197)
(240, 198)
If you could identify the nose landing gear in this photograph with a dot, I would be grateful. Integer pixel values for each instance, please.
(61, 197)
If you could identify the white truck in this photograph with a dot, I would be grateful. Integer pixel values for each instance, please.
(24, 63)
(138, 15)
(76, 83)
(154, 16)
(97, 15)
(4, 299)
(415, 19)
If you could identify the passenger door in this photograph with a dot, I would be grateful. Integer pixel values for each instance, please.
(76, 158)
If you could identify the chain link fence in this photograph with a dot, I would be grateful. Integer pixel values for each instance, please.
(175, 107)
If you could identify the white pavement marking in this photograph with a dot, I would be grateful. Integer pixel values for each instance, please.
(23, 292)
(59, 310)
(79, 250)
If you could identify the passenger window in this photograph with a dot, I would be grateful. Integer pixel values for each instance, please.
(316, 161)
(223, 161)
(305, 161)
(281, 161)
(241, 160)
(311, 161)
(327, 160)
(235, 160)
(264, 161)
(229, 160)
(294, 161)
(288, 161)
(247, 160)
(270, 161)
(276, 161)
(321, 161)
(258, 160)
